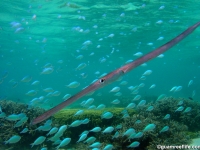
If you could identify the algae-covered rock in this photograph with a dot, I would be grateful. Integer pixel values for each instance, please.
(67, 117)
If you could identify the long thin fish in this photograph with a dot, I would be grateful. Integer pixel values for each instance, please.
(114, 75)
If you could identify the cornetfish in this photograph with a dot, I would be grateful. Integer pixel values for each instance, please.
(114, 75)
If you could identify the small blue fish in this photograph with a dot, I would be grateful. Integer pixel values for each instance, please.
(64, 142)
(148, 72)
(92, 107)
(124, 111)
(90, 140)
(116, 101)
(190, 83)
(26, 79)
(129, 132)
(143, 78)
(152, 86)
(167, 116)
(116, 135)
(79, 57)
(101, 106)
(2, 115)
(81, 66)
(96, 129)
(82, 137)
(5, 74)
(115, 89)
(137, 97)
(44, 128)
(179, 109)
(38, 141)
(130, 106)
(47, 70)
(85, 121)
(84, 132)
(138, 54)
(118, 94)
(74, 84)
(62, 128)
(134, 144)
(88, 102)
(35, 82)
(164, 129)
(80, 112)
(150, 108)
(108, 147)
(48, 122)
(123, 83)
(56, 93)
(118, 127)
(173, 89)
(52, 131)
(18, 124)
(193, 93)
(149, 127)
(138, 121)
(178, 88)
(131, 136)
(76, 123)
(138, 135)
(13, 139)
(141, 103)
(24, 130)
(141, 85)
(66, 96)
(24, 119)
(57, 142)
(126, 116)
(162, 96)
(135, 92)
(108, 130)
(107, 115)
(13, 117)
(95, 145)
(31, 93)
(188, 109)
(180, 103)
(48, 90)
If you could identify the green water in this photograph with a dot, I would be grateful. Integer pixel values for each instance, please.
(25, 53)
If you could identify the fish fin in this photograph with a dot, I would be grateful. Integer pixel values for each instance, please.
(32, 145)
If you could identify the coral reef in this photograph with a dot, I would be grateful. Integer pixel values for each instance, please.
(182, 126)
(170, 104)
(7, 129)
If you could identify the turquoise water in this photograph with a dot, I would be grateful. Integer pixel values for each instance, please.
(52, 38)
(35, 33)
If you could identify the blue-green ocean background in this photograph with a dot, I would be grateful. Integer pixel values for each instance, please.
(134, 25)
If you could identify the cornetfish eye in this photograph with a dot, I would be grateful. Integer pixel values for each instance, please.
(101, 80)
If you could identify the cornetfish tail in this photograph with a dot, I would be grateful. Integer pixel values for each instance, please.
(67, 102)
(126, 68)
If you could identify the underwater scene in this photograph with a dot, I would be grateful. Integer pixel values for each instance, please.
(99, 75)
